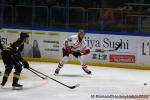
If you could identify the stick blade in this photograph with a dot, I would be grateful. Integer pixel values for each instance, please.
(75, 86)
(119, 46)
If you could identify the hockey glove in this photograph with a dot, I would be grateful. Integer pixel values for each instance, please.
(68, 50)
(25, 64)
(86, 51)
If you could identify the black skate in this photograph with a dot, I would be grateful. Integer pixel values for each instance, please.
(56, 71)
(2, 85)
(4, 81)
(17, 86)
(86, 70)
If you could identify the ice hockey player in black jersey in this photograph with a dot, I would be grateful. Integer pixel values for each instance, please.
(12, 58)
(1, 48)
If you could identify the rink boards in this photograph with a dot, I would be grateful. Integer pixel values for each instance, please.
(134, 52)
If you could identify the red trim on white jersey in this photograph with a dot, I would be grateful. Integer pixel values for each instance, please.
(74, 43)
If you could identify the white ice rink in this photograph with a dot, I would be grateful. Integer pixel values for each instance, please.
(104, 81)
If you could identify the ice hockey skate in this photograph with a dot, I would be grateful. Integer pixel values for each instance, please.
(17, 86)
(86, 70)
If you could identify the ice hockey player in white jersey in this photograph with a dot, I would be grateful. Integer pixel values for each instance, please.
(75, 45)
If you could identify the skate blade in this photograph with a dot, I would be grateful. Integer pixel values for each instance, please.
(17, 88)
(55, 74)
(88, 73)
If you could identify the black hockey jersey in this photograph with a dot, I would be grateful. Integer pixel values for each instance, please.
(1, 45)
(16, 49)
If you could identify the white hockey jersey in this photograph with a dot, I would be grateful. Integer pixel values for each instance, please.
(73, 42)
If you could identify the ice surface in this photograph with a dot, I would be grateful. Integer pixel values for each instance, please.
(104, 81)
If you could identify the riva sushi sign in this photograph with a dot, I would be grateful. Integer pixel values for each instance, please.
(125, 54)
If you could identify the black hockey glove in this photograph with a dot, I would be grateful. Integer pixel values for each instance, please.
(18, 64)
(25, 64)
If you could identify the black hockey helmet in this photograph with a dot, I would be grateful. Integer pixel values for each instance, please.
(23, 35)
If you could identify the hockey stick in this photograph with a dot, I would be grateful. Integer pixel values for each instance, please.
(101, 50)
(36, 73)
(71, 87)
